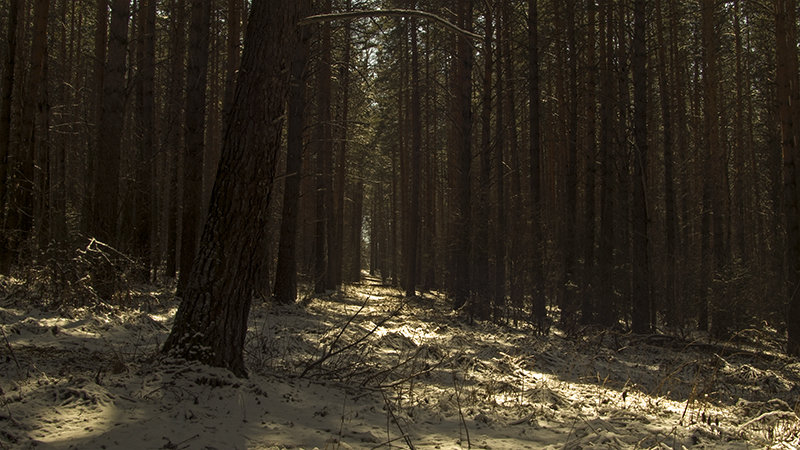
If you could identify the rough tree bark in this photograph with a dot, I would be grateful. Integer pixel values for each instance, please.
(211, 321)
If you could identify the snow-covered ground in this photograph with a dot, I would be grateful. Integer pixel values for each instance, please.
(369, 369)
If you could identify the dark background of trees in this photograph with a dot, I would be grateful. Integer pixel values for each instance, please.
(630, 163)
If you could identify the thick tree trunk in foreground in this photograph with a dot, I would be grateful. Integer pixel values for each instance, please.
(211, 321)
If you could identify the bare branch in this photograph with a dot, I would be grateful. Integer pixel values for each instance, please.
(388, 13)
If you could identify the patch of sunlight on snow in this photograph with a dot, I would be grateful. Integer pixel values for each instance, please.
(80, 426)
(169, 314)
(418, 336)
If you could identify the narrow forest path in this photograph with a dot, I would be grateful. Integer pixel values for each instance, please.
(381, 371)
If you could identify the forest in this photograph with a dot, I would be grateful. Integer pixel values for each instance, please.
(399, 224)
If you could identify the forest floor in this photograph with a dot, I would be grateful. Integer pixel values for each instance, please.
(366, 368)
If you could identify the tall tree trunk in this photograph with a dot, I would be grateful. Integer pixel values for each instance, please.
(40, 142)
(211, 322)
(93, 159)
(568, 303)
(336, 257)
(480, 248)
(641, 266)
(429, 235)
(516, 272)
(58, 195)
(194, 136)
(714, 188)
(413, 218)
(788, 94)
(403, 139)
(460, 155)
(671, 305)
(144, 237)
(499, 294)
(6, 90)
(106, 180)
(539, 309)
(28, 176)
(589, 219)
(173, 136)
(623, 246)
(606, 304)
(286, 270)
(324, 160)
(744, 231)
